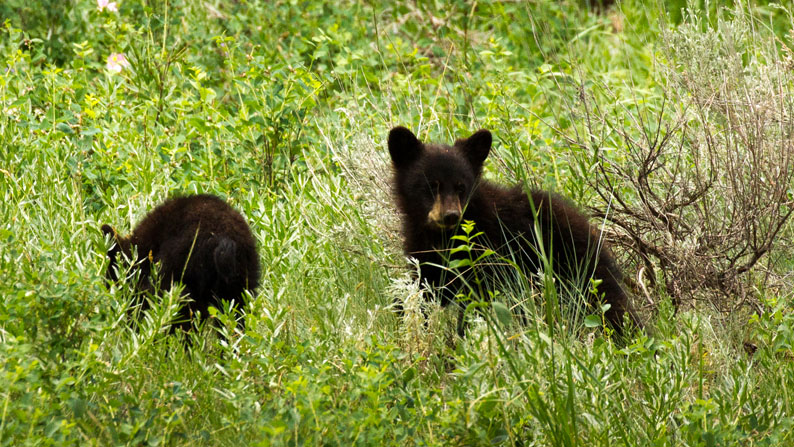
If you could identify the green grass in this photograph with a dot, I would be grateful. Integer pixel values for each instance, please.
(283, 108)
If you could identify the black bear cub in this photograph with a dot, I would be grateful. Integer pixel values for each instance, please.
(438, 186)
(199, 241)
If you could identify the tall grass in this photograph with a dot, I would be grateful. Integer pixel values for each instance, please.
(282, 108)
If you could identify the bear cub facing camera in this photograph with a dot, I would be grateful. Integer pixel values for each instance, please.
(199, 241)
(437, 186)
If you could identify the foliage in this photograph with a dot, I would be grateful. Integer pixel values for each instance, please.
(281, 107)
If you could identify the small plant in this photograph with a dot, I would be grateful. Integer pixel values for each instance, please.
(465, 261)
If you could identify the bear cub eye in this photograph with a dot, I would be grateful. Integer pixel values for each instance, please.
(460, 188)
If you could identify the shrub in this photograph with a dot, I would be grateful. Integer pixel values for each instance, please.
(696, 175)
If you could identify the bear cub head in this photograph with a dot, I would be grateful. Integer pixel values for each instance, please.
(434, 181)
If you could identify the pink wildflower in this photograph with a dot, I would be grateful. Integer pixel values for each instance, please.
(116, 62)
(111, 6)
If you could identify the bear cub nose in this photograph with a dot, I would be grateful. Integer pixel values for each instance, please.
(451, 217)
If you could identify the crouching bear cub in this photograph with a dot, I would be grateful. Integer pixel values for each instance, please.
(199, 241)
(437, 186)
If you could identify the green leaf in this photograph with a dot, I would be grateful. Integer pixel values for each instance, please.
(458, 263)
(485, 254)
(487, 405)
(592, 321)
(460, 248)
(409, 374)
(503, 314)
(63, 127)
(207, 94)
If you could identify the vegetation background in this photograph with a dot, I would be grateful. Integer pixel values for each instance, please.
(657, 117)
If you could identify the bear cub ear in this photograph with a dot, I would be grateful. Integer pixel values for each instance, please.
(404, 147)
(476, 148)
(107, 230)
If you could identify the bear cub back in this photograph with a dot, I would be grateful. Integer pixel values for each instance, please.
(437, 186)
(198, 240)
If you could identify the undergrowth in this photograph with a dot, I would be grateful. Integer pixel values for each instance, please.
(283, 108)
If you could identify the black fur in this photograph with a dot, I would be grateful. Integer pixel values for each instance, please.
(430, 180)
(199, 241)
